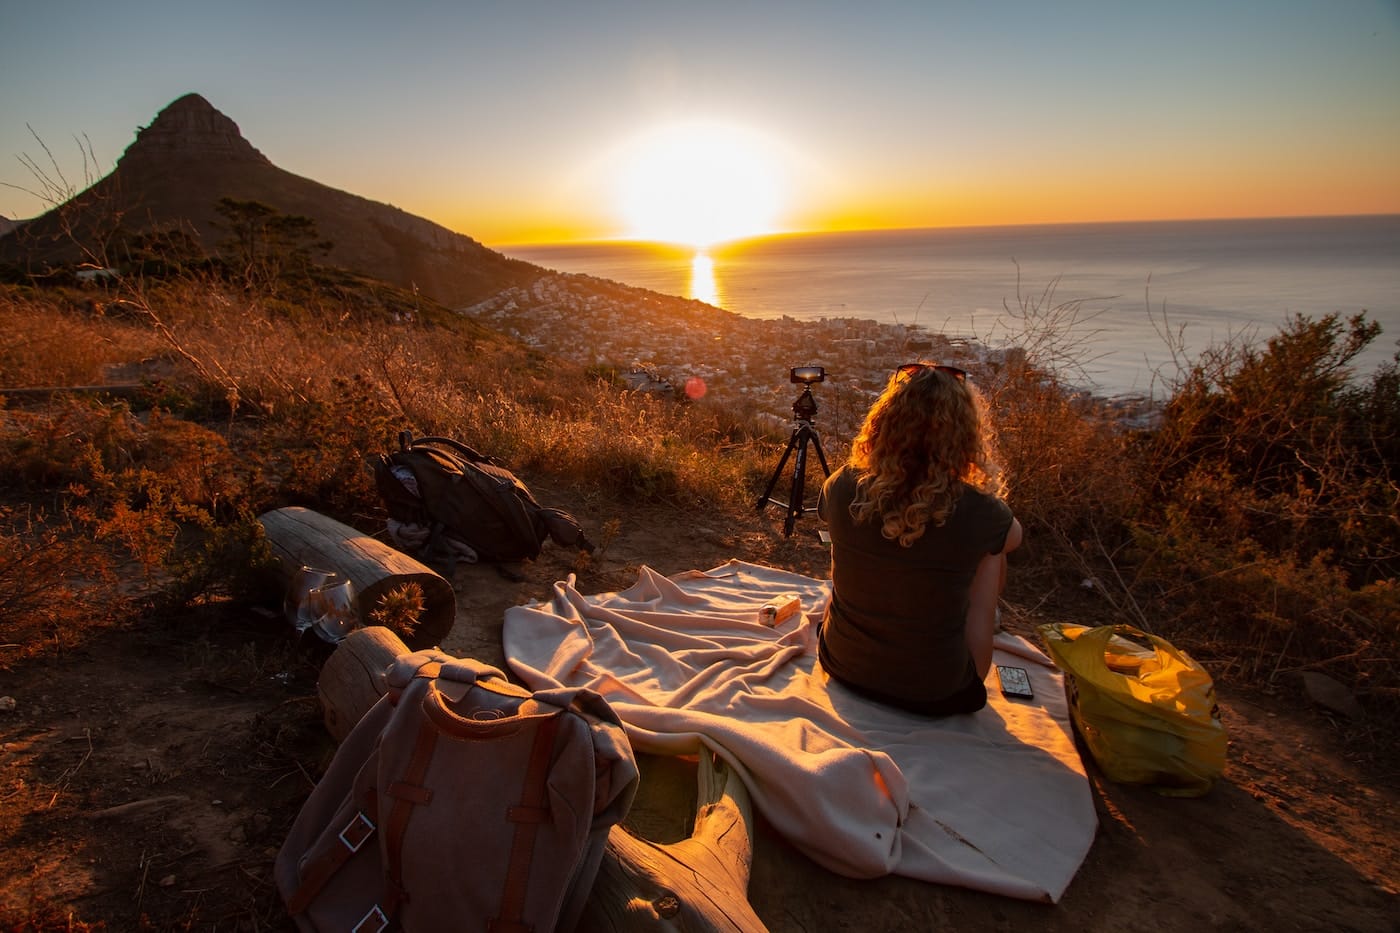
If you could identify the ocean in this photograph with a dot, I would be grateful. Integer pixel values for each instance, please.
(1114, 289)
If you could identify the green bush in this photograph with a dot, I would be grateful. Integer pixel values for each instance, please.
(1301, 459)
(1268, 519)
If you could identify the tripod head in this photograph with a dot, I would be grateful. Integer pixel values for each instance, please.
(805, 408)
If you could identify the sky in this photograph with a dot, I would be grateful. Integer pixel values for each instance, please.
(525, 122)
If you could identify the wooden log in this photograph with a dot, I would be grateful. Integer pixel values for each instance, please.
(700, 883)
(695, 885)
(352, 679)
(303, 538)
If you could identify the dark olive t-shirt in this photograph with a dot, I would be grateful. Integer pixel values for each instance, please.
(896, 620)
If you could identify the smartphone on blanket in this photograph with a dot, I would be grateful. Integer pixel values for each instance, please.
(1015, 682)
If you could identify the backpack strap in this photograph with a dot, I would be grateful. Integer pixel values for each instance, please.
(406, 442)
(359, 830)
(532, 810)
(407, 792)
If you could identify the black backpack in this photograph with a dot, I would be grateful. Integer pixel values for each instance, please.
(466, 497)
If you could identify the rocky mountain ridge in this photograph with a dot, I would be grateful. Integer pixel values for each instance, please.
(190, 129)
(174, 174)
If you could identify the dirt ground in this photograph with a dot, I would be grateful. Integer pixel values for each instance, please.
(148, 778)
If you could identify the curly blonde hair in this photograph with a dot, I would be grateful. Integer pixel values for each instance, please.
(923, 441)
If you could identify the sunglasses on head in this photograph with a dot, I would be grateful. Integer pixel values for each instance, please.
(910, 370)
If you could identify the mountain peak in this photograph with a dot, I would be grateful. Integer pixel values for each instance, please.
(192, 156)
(190, 127)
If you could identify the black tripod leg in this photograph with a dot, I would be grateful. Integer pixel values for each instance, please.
(821, 455)
(799, 484)
(782, 462)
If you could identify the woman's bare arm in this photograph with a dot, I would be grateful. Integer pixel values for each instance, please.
(987, 584)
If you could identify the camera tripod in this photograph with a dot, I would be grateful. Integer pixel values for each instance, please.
(803, 433)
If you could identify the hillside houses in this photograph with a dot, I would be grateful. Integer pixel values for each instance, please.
(659, 342)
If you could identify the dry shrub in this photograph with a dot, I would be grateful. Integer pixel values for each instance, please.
(627, 444)
(56, 585)
(1285, 426)
(118, 487)
(317, 455)
(1063, 459)
(105, 454)
(1062, 450)
(334, 388)
(1268, 523)
(43, 916)
(65, 339)
(1264, 613)
(1257, 520)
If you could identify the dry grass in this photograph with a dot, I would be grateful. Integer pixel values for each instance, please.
(1256, 524)
(48, 340)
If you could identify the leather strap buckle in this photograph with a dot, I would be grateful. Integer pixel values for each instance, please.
(356, 833)
(375, 916)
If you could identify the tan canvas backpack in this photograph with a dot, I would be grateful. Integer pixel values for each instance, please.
(460, 802)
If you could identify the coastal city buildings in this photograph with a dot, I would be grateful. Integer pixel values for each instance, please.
(656, 342)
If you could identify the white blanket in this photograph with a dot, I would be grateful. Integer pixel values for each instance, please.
(997, 800)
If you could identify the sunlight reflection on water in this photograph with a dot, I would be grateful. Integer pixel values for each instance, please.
(702, 280)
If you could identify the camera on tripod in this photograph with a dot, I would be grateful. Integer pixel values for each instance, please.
(804, 410)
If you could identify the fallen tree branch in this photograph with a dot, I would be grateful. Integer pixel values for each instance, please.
(138, 806)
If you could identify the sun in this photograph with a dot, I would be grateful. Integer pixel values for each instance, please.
(699, 183)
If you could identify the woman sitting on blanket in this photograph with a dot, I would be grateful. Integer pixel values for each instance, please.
(919, 538)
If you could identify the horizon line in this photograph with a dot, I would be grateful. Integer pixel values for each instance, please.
(794, 234)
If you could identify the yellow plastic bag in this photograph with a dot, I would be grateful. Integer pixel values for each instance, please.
(1145, 709)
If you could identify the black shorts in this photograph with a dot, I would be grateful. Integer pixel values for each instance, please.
(968, 699)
